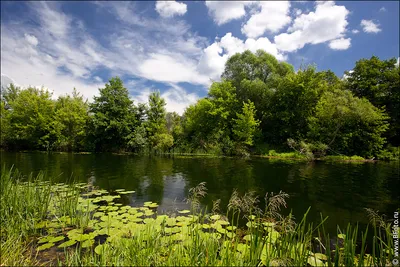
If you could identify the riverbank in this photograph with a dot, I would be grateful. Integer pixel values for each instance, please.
(43, 223)
(275, 156)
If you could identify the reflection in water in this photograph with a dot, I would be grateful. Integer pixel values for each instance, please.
(338, 190)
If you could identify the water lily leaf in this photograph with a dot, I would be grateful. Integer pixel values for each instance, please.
(183, 211)
(230, 234)
(100, 249)
(231, 228)
(222, 222)
(119, 190)
(247, 237)
(321, 256)
(87, 243)
(251, 224)
(45, 239)
(139, 214)
(268, 224)
(118, 204)
(215, 217)
(181, 218)
(136, 220)
(148, 220)
(153, 205)
(56, 239)
(45, 246)
(98, 214)
(313, 261)
(127, 192)
(147, 203)
(205, 226)
(67, 244)
(342, 236)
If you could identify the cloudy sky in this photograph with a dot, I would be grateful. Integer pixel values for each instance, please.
(179, 48)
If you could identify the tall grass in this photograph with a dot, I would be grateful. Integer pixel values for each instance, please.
(269, 239)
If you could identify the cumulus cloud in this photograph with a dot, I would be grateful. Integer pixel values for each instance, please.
(340, 44)
(225, 11)
(382, 9)
(212, 62)
(168, 9)
(355, 31)
(272, 17)
(328, 22)
(369, 26)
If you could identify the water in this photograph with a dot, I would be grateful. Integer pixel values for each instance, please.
(340, 191)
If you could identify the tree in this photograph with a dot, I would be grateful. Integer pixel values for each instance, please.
(245, 125)
(347, 124)
(72, 114)
(292, 104)
(113, 117)
(30, 122)
(379, 82)
(157, 132)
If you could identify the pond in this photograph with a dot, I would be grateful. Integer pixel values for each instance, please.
(338, 190)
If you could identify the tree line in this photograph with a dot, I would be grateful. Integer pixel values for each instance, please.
(259, 105)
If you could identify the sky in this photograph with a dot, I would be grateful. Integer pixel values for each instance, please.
(180, 48)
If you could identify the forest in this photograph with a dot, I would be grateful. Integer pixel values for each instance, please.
(261, 106)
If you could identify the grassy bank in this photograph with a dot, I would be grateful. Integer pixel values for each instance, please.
(76, 224)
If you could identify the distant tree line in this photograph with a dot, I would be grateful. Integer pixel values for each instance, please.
(260, 104)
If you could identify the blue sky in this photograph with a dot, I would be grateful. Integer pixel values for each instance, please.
(179, 48)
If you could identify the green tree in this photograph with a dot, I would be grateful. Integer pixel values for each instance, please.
(30, 122)
(379, 82)
(156, 123)
(245, 125)
(347, 124)
(113, 117)
(72, 115)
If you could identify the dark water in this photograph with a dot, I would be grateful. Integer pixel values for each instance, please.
(338, 190)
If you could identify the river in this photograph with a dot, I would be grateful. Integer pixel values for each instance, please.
(338, 190)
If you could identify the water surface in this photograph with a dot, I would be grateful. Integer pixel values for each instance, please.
(340, 191)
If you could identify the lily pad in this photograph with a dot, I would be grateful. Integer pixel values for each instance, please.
(56, 239)
(127, 192)
(215, 217)
(45, 239)
(184, 211)
(45, 246)
(67, 244)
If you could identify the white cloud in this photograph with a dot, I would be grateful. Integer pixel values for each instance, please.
(397, 63)
(355, 31)
(31, 39)
(340, 44)
(168, 9)
(297, 11)
(212, 62)
(382, 9)
(272, 17)
(176, 98)
(98, 79)
(328, 22)
(170, 68)
(369, 26)
(225, 11)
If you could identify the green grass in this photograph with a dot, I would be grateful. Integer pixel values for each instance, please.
(59, 224)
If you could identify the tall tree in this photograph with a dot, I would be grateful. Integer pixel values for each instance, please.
(379, 82)
(72, 114)
(245, 125)
(113, 117)
(156, 123)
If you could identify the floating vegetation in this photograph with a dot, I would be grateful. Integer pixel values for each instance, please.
(89, 227)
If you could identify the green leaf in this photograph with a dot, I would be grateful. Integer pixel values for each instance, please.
(67, 244)
(184, 211)
(45, 246)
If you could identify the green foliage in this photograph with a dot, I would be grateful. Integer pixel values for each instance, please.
(29, 121)
(347, 124)
(379, 82)
(71, 114)
(113, 117)
(156, 124)
(245, 125)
